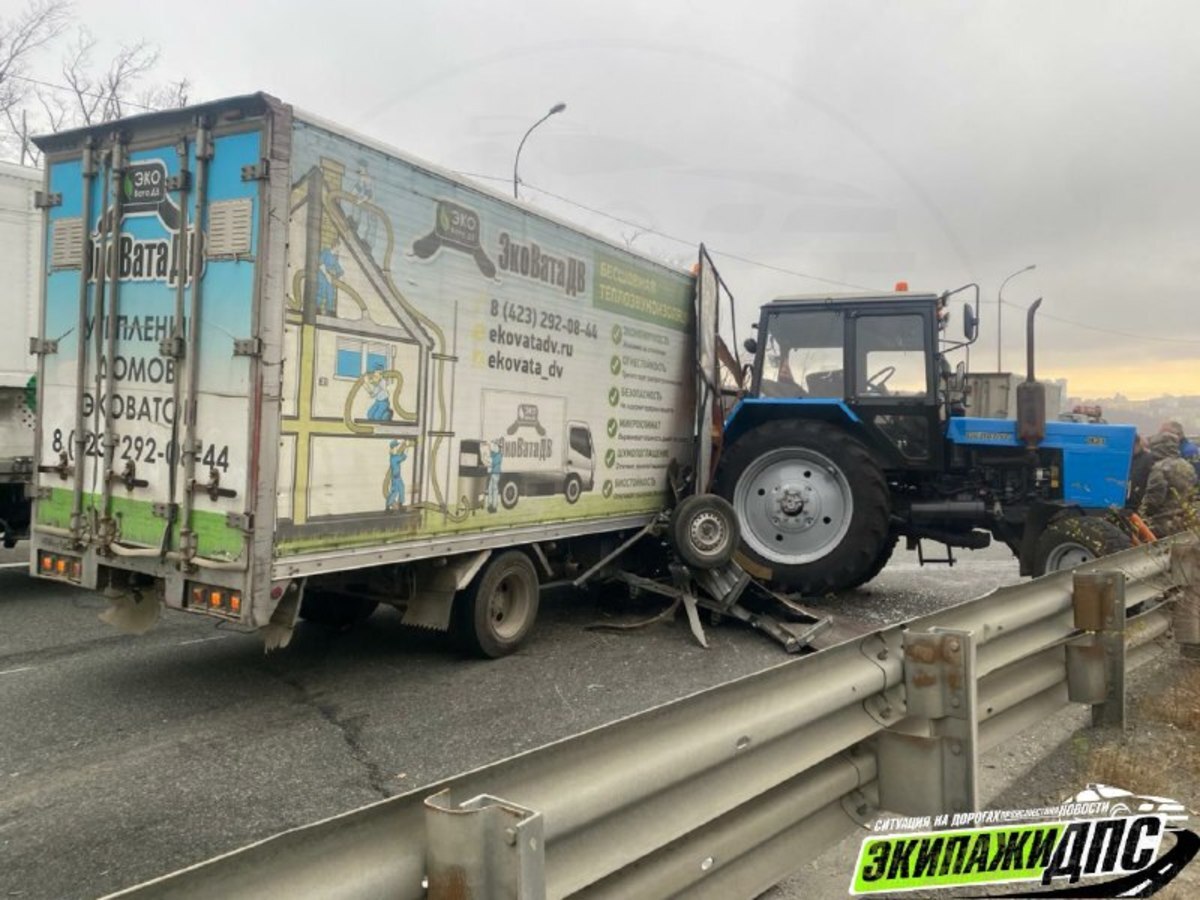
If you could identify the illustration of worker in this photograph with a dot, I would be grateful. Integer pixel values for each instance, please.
(496, 459)
(328, 270)
(378, 386)
(395, 479)
(366, 221)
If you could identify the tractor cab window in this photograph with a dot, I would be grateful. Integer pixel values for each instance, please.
(891, 356)
(804, 355)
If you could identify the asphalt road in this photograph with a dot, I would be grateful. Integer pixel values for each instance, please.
(123, 757)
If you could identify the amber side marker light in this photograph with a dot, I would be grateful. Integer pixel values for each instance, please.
(209, 598)
(60, 566)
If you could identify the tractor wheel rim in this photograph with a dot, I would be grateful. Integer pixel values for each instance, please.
(508, 607)
(794, 505)
(708, 533)
(1068, 556)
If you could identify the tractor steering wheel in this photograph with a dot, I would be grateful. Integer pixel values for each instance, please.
(876, 382)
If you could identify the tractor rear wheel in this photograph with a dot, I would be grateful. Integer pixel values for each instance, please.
(884, 557)
(812, 505)
(1069, 542)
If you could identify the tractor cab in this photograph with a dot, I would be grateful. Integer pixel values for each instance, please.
(871, 362)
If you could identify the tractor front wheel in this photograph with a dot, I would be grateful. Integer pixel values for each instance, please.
(1070, 542)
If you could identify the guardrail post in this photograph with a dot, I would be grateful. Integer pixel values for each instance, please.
(1185, 612)
(936, 772)
(483, 847)
(1096, 661)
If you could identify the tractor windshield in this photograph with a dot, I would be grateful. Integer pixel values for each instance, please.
(804, 355)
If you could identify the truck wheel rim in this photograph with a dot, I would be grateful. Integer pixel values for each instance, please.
(508, 607)
(572, 490)
(509, 494)
(794, 505)
(1068, 556)
(708, 533)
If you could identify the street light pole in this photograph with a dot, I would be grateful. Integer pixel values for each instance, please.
(554, 110)
(1000, 311)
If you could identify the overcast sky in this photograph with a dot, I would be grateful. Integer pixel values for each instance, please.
(862, 142)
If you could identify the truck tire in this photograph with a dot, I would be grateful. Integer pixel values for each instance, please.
(573, 488)
(510, 492)
(336, 610)
(812, 505)
(496, 612)
(704, 531)
(1069, 542)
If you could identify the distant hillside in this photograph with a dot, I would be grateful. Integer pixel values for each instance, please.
(1147, 415)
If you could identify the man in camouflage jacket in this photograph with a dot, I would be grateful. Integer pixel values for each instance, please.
(1169, 504)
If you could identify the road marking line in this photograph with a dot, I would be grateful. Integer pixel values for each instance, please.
(16, 565)
(219, 637)
(15, 671)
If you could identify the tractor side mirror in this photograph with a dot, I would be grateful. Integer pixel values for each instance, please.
(751, 346)
(970, 323)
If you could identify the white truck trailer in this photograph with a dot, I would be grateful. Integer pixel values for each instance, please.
(20, 276)
(272, 353)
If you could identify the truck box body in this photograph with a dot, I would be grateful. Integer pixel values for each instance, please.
(20, 275)
(362, 332)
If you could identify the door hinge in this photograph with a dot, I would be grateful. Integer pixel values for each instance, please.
(42, 346)
(172, 347)
(180, 182)
(46, 200)
(248, 347)
(256, 172)
(240, 521)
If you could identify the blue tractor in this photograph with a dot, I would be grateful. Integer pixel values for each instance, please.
(852, 433)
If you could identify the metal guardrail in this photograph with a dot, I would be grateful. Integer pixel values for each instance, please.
(712, 794)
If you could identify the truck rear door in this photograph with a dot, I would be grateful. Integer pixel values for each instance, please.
(148, 406)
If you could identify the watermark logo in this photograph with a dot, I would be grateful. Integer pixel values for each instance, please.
(1107, 835)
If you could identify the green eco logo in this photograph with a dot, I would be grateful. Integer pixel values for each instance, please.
(127, 187)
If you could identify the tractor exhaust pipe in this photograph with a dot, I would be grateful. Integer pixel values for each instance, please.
(1029, 376)
(1031, 394)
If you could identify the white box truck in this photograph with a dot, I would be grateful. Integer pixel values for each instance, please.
(275, 359)
(529, 448)
(20, 275)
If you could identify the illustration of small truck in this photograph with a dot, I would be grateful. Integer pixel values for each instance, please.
(529, 448)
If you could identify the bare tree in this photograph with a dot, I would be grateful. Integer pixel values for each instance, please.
(87, 94)
(101, 96)
(20, 38)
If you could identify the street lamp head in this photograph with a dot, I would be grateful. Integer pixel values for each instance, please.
(557, 108)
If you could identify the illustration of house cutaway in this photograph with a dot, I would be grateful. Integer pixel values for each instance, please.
(363, 370)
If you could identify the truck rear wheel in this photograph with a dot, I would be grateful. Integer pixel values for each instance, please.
(812, 504)
(1070, 542)
(704, 531)
(495, 614)
(510, 493)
